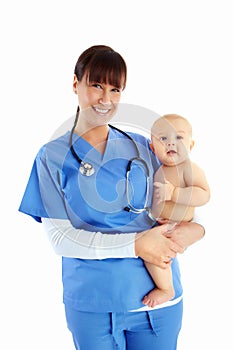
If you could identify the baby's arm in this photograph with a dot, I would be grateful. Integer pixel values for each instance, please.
(196, 192)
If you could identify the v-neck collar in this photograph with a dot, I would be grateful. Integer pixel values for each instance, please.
(83, 147)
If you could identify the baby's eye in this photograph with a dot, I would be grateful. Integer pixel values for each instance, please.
(163, 138)
(179, 137)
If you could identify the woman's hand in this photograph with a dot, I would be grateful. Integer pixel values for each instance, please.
(156, 248)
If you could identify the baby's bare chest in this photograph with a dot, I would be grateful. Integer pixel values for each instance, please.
(175, 175)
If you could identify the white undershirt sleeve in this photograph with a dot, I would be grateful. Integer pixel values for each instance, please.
(68, 241)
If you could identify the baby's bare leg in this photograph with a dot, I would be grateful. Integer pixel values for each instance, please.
(164, 290)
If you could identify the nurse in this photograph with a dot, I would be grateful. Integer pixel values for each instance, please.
(77, 189)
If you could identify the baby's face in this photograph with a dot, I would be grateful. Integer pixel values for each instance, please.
(172, 141)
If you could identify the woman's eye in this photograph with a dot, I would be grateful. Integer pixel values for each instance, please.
(96, 85)
(116, 90)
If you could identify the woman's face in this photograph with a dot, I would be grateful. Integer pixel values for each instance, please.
(97, 101)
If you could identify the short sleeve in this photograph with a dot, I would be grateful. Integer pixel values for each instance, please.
(43, 194)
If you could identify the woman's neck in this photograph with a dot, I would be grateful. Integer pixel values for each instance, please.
(96, 136)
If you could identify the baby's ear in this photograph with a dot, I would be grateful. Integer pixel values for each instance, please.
(152, 147)
(192, 143)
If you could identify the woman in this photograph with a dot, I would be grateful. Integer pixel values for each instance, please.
(77, 188)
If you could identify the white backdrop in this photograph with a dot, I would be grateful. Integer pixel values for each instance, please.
(179, 56)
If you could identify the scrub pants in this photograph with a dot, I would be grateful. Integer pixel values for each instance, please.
(145, 330)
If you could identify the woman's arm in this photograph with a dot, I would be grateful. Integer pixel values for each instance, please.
(68, 241)
(151, 245)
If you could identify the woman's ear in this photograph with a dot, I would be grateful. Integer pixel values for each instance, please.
(75, 84)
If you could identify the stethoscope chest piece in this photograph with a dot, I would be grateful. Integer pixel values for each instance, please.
(86, 169)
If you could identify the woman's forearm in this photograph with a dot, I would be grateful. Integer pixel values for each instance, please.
(68, 241)
(151, 245)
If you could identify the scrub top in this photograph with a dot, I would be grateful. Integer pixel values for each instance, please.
(56, 189)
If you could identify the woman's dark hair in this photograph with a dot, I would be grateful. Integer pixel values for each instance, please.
(102, 65)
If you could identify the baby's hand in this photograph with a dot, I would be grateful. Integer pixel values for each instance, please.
(163, 191)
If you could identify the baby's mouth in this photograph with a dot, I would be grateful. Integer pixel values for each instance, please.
(171, 152)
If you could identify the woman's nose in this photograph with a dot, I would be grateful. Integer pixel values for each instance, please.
(105, 98)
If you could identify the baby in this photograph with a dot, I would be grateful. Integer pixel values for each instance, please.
(179, 186)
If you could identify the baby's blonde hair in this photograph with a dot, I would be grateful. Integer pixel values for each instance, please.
(170, 117)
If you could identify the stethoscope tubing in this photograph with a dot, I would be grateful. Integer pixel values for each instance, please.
(87, 169)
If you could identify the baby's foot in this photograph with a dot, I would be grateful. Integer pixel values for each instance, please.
(158, 296)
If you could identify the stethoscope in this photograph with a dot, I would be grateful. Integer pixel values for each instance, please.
(87, 169)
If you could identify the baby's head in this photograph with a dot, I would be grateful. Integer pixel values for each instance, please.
(171, 137)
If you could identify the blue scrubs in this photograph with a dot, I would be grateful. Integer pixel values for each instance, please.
(56, 189)
(150, 330)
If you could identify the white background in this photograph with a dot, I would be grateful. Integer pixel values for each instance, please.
(179, 56)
